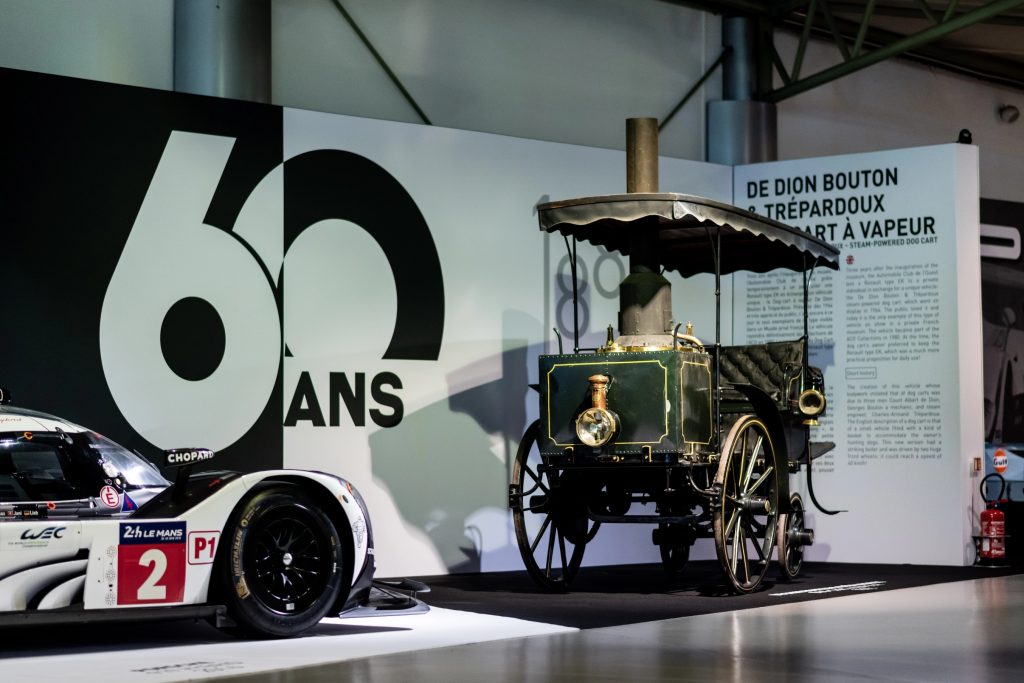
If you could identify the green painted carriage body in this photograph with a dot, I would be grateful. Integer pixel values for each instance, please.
(663, 400)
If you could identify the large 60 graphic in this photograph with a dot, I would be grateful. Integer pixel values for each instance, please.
(172, 261)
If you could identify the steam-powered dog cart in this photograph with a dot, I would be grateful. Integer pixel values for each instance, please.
(706, 434)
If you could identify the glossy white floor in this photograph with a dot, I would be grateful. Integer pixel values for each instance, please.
(967, 631)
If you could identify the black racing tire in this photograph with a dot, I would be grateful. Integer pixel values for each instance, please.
(283, 566)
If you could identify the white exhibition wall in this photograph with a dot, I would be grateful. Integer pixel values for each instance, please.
(897, 331)
(437, 482)
(382, 291)
(362, 297)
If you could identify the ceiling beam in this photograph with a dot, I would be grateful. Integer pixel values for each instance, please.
(898, 12)
(967, 62)
(849, 23)
(779, 11)
(899, 46)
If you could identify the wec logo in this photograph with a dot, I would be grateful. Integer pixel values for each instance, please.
(41, 534)
(193, 325)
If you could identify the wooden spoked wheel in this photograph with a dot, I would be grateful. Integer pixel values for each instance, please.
(549, 516)
(746, 514)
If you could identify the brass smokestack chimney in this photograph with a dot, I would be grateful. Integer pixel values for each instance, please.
(645, 296)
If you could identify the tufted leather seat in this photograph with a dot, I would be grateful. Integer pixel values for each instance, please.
(769, 367)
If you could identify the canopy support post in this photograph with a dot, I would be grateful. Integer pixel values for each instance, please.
(571, 253)
(575, 303)
(718, 336)
(807, 334)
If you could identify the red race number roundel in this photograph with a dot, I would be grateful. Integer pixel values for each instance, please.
(110, 497)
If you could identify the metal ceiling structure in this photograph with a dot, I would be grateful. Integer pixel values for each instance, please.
(982, 38)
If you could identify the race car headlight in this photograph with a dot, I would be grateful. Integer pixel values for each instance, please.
(596, 426)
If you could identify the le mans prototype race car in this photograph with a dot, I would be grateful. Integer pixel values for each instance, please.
(90, 531)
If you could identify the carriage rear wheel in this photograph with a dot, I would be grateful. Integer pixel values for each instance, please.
(746, 517)
(549, 515)
(793, 537)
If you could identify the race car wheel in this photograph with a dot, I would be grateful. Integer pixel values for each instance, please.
(283, 568)
(549, 517)
(745, 518)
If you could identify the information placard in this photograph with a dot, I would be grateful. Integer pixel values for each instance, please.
(897, 331)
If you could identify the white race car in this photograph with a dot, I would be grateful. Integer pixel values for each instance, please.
(90, 531)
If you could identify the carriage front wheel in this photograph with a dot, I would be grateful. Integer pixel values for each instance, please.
(746, 515)
(549, 515)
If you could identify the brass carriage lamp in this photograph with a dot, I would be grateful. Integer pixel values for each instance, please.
(811, 404)
(597, 425)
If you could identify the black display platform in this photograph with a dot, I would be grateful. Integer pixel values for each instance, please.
(629, 594)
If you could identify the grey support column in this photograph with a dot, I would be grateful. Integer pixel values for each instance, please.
(222, 48)
(740, 129)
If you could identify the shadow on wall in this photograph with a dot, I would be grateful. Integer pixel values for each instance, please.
(453, 458)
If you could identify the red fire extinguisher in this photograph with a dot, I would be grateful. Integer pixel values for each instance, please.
(992, 547)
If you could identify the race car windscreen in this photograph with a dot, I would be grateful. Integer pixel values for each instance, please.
(136, 471)
(34, 471)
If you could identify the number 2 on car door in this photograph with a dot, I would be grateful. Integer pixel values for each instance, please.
(150, 588)
(150, 574)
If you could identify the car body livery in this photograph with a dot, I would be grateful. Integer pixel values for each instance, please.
(90, 531)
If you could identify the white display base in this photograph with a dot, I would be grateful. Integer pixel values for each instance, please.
(178, 652)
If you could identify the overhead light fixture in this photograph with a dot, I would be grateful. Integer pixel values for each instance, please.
(1008, 113)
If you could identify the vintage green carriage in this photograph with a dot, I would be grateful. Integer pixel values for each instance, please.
(703, 437)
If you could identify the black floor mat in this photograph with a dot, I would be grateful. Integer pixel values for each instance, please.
(629, 594)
